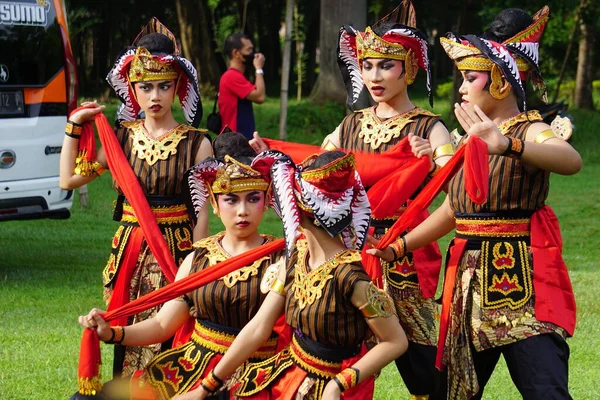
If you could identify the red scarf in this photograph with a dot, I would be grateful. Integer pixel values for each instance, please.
(89, 356)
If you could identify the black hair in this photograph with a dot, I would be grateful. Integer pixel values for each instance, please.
(325, 159)
(156, 43)
(507, 23)
(234, 42)
(234, 145)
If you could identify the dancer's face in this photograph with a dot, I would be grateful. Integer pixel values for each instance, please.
(384, 78)
(241, 212)
(474, 90)
(155, 97)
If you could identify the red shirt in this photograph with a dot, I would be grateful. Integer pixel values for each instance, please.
(236, 111)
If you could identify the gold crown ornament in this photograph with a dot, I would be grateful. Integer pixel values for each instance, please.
(145, 67)
(369, 45)
(237, 177)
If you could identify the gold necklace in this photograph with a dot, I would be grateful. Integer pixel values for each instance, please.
(505, 125)
(374, 131)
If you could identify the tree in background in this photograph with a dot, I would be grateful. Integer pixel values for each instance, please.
(588, 19)
(335, 13)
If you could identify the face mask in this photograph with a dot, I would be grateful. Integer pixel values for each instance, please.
(249, 58)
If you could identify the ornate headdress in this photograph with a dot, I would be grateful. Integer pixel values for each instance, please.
(211, 176)
(402, 42)
(332, 194)
(136, 64)
(517, 58)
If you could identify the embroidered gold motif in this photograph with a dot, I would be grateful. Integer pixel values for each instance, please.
(308, 285)
(503, 260)
(216, 254)
(532, 116)
(505, 285)
(374, 132)
(379, 304)
(154, 149)
(498, 288)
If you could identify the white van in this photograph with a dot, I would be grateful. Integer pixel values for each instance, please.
(38, 89)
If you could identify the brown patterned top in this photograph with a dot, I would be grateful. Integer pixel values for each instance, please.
(159, 163)
(234, 299)
(318, 301)
(364, 131)
(512, 187)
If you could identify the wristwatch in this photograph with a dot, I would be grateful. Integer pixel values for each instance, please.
(259, 71)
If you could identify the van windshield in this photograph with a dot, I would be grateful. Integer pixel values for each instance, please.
(30, 40)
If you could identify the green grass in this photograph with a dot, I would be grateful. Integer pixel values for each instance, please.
(51, 272)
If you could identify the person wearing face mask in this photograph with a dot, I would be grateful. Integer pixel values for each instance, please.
(236, 92)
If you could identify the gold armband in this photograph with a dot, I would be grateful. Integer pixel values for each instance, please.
(544, 135)
(278, 287)
(328, 145)
(379, 304)
(443, 150)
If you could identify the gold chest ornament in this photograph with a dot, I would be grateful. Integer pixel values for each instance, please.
(154, 149)
(308, 285)
(216, 254)
(375, 132)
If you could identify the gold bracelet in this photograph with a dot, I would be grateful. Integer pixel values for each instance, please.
(211, 383)
(544, 135)
(347, 379)
(98, 168)
(515, 148)
(72, 129)
(399, 248)
(117, 336)
(443, 150)
(435, 170)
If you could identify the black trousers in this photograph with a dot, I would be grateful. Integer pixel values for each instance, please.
(538, 367)
(417, 369)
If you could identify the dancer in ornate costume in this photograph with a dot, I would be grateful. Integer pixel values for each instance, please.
(239, 194)
(159, 150)
(382, 62)
(329, 300)
(507, 289)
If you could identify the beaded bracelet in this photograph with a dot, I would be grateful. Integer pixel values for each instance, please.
(117, 335)
(347, 379)
(515, 148)
(211, 383)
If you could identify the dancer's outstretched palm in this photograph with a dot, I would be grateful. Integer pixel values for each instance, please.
(476, 123)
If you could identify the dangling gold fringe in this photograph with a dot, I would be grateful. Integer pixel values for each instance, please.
(83, 167)
(89, 386)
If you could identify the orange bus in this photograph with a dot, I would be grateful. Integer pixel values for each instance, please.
(38, 89)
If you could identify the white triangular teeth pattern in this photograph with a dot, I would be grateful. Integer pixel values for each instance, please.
(329, 211)
(361, 212)
(348, 56)
(531, 50)
(120, 84)
(503, 54)
(282, 174)
(198, 186)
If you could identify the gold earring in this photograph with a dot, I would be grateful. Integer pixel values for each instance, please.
(411, 67)
(497, 84)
